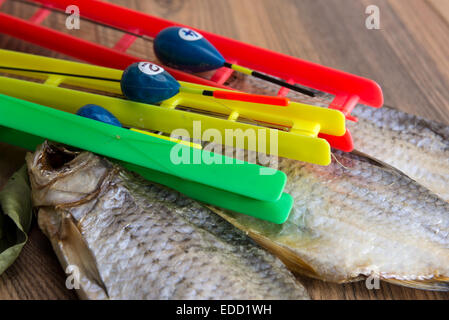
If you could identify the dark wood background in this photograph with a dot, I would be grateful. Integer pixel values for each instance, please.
(408, 56)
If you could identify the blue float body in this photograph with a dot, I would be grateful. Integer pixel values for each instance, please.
(193, 56)
(92, 111)
(141, 87)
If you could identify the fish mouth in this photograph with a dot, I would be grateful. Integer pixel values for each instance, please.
(60, 176)
(54, 157)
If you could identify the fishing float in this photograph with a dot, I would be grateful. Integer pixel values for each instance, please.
(147, 82)
(98, 113)
(187, 50)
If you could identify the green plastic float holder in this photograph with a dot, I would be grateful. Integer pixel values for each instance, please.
(236, 187)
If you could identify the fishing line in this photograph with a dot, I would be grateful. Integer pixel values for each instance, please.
(341, 164)
(235, 67)
(208, 94)
(43, 6)
(268, 78)
(187, 50)
(96, 78)
(59, 73)
(203, 92)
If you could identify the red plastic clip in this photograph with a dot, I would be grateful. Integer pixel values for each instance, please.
(348, 89)
(338, 83)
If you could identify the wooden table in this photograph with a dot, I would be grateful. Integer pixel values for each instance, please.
(408, 56)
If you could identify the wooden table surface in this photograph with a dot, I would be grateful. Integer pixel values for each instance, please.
(408, 57)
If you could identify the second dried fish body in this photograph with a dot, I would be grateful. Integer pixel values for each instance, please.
(358, 218)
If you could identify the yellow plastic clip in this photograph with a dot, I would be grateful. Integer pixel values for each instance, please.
(297, 125)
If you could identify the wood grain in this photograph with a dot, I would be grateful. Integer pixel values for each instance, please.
(441, 7)
(408, 56)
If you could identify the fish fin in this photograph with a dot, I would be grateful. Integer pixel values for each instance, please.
(435, 284)
(376, 162)
(287, 256)
(72, 250)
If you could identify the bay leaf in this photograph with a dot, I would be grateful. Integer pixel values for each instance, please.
(15, 217)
